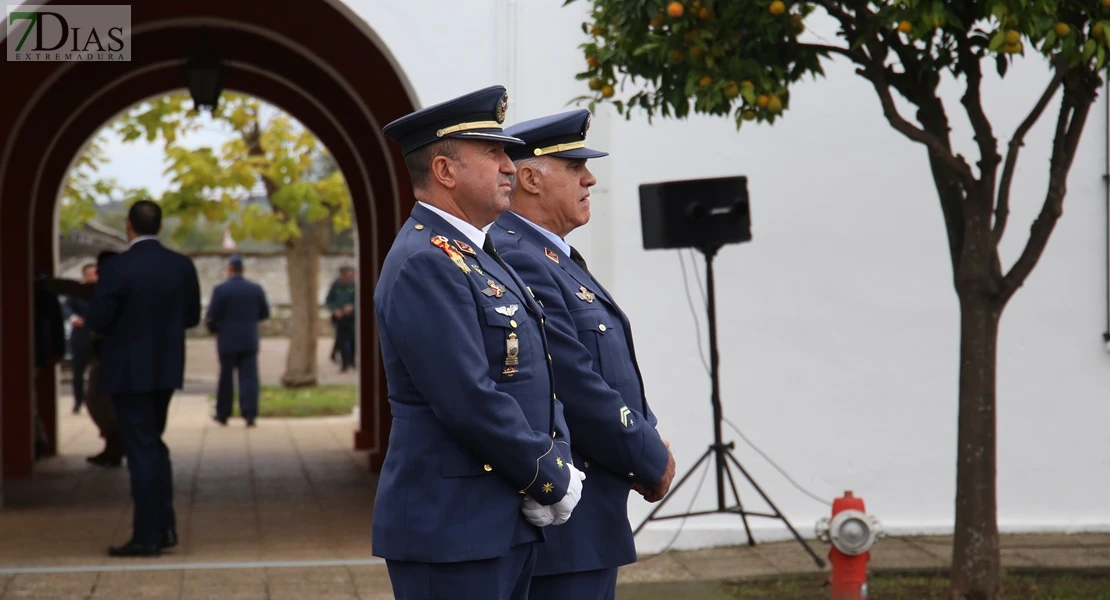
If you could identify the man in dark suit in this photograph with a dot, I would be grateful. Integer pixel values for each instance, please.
(237, 306)
(596, 374)
(80, 342)
(146, 298)
(477, 460)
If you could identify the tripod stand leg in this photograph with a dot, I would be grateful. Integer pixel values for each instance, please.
(817, 559)
(739, 506)
(674, 487)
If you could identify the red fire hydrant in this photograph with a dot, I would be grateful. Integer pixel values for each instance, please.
(851, 532)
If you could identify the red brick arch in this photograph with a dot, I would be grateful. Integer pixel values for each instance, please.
(313, 59)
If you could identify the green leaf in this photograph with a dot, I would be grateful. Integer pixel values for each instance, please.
(1001, 63)
(1049, 39)
(1089, 49)
(1101, 58)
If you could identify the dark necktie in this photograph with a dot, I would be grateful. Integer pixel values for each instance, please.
(578, 260)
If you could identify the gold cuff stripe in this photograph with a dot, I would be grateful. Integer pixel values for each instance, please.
(559, 148)
(537, 475)
(467, 126)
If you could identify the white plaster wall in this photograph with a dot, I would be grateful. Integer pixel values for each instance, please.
(838, 324)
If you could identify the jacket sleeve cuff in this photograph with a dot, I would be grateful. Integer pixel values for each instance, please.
(552, 476)
(653, 461)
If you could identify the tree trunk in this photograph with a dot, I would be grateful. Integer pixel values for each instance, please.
(302, 261)
(975, 557)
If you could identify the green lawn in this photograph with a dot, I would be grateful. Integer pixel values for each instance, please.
(1093, 584)
(319, 401)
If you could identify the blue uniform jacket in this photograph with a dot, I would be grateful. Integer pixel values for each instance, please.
(470, 391)
(145, 299)
(599, 385)
(237, 306)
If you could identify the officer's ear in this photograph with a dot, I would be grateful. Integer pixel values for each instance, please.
(528, 177)
(444, 170)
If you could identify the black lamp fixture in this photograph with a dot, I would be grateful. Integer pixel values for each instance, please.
(204, 72)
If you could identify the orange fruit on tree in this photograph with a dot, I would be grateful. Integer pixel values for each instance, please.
(799, 26)
(732, 90)
(675, 9)
(1062, 29)
(747, 84)
(596, 84)
(1013, 37)
(777, 7)
(774, 104)
(657, 21)
(705, 80)
(762, 100)
(705, 14)
(905, 26)
(593, 62)
(607, 91)
(1013, 48)
(1096, 30)
(748, 114)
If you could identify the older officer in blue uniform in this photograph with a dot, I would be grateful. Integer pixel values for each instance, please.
(474, 466)
(596, 375)
(236, 307)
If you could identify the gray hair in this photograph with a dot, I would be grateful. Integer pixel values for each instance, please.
(539, 163)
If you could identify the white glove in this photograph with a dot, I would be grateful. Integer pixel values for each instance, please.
(565, 506)
(536, 513)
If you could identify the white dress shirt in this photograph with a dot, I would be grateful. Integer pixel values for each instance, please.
(558, 241)
(142, 238)
(477, 236)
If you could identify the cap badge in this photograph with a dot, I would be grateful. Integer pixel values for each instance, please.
(502, 107)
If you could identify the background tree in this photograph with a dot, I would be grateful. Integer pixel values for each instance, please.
(739, 58)
(268, 154)
(82, 191)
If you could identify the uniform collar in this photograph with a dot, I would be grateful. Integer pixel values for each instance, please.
(558, 241)
(477, 236)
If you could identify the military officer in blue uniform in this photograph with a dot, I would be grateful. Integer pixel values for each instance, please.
(237, 306)
(596, 375)
(475, 466)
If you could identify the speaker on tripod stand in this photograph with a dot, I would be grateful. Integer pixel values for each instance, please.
(706, 215)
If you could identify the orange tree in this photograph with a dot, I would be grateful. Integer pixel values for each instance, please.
(739, 59)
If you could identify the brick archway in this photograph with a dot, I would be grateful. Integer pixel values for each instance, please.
(314, 59)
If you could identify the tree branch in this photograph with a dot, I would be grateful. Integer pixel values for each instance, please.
(876, 73)
(1002, 207)
(973, 104)
(1074, 108)
(856, 56)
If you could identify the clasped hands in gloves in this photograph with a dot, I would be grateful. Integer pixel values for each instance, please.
(558, 513)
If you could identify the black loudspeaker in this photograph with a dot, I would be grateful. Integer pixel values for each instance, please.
(695, 213)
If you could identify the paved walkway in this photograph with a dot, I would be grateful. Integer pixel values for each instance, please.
(202, 364)
(284, 511)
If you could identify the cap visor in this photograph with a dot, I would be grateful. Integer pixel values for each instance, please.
(490, 135)
(580, 153)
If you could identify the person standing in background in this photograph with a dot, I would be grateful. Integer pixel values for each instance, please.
(237, 306)
(80, 343)
(146, 298)
(341, 303)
